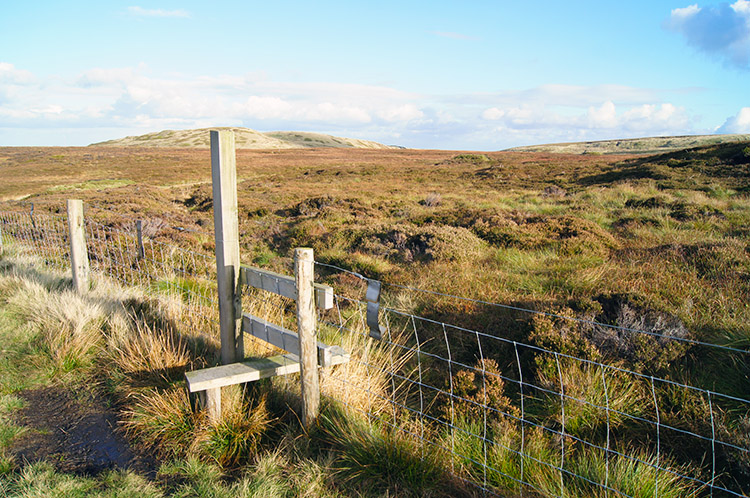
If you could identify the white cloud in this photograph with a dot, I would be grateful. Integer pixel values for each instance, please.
(742, 7)
(108, 76)
(604, 116)
(722, 30)
(683, 13)
(267, 107)
(739, 123)
(141, 12)
(12, 76)
(592, 122)
(493, 114)
(402, 113)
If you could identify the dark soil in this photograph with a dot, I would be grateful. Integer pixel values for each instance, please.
(76, 436)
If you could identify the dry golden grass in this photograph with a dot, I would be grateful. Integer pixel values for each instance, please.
(68, 325)
(365, 382)
(146, 353)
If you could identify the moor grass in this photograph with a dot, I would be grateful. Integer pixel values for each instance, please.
(654, 243)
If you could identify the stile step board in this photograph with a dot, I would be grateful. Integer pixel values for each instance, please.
(251, 370)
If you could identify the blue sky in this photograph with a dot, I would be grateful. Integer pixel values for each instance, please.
(479, 75)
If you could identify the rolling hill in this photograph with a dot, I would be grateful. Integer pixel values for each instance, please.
(649, 145)
(245, 138)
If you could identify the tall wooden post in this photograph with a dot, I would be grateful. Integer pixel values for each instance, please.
(79, 258)
(304, 275)
(226, 233)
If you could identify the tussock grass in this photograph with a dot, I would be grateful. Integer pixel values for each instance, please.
(40, 480)
(595, 399)
(237, 436)
(156, 355)
(378, 457)
(163, 420)
(636, 476)
(68, 326)
(364, 382)
(531, 461)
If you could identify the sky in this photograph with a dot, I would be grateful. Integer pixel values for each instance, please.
(439, 74)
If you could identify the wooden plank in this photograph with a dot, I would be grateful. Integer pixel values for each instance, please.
(252, 370)
(286, 339)
(304, 274)
(79, 258)
(239, 373)
(284, 285)
(226, 236)
(271, 333)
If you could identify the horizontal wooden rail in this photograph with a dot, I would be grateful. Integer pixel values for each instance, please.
(283, 285)
(286, 339)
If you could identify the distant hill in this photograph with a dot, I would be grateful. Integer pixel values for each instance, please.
(245, 138)
(652, 145)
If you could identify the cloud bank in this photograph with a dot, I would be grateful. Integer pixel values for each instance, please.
(106, 103)
(722, 31)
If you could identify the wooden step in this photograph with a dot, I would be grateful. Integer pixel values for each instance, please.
(252, 370)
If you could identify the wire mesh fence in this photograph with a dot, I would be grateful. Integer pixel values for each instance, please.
(546, 413)
(44, 235)
(569, 407)
(185, 276)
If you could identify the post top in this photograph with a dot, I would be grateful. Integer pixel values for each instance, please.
(303, 253)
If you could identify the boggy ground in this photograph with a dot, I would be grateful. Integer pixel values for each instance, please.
(81, 436)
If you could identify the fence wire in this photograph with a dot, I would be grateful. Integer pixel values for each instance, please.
(44, 235)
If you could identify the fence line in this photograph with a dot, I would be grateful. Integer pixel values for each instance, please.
(508, 415)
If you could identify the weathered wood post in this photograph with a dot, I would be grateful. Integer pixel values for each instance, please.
(226, 236)
(304, 276)
(79, 257)
(139, 238)
(1, 239)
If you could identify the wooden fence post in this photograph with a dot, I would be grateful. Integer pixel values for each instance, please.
(226, 236)
(1, 239)
(139, 237)
(79, 258)
(304, 275)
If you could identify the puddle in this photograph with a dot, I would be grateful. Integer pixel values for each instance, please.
(76, 436)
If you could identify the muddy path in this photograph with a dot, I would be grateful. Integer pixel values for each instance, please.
(80, 436)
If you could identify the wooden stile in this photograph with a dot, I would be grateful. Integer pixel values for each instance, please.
(305, 354)
(286, 339)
